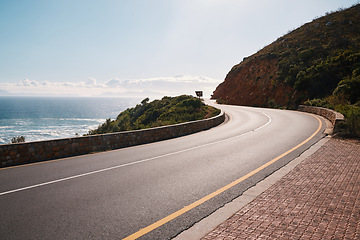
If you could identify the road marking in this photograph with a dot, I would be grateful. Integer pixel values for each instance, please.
(132, 163)
(174, 215)
(67, 158)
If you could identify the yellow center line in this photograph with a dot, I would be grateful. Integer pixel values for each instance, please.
(176, 214)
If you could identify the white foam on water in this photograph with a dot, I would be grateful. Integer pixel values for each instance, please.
(38, 119)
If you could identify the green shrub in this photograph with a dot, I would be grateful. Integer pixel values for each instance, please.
(317, 102)
(349, 89)
(352, 118)
(306, 55)
(168, 110)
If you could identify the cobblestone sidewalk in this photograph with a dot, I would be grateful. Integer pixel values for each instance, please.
(319, 199)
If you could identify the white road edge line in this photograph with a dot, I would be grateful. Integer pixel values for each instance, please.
(133, 163)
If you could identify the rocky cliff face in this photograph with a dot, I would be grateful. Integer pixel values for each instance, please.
(253, 83)
(306, 63)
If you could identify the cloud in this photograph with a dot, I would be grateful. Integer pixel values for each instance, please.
(115, 82)
(4, 93)
(45, 83)
(175, 79)
(146, 87)
(27, 82)
(65, 84)
(91, 81)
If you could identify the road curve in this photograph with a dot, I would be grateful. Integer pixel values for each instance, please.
(152, 191)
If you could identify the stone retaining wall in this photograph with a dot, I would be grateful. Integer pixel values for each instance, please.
(21, 153)
(334, 117)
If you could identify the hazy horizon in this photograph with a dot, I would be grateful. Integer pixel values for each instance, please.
(138, 48)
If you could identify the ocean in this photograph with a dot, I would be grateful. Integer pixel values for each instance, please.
(45, 118)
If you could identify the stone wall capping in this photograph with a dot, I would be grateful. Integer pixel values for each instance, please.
(30, 152)
(334, 117)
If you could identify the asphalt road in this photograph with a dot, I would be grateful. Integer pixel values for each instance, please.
(114, 194)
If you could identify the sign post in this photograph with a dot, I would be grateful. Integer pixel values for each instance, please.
(199, 94)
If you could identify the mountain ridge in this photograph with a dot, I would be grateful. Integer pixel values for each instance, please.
(308, 62)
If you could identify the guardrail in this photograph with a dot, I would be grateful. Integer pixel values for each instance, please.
(334, 117)
(30, 152)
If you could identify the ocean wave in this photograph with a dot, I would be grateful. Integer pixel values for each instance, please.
(45, 133)
(36, 119)
(22, 122)
(62, 119)
(84, 119)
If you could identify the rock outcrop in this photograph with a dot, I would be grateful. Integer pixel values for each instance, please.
(253, 83)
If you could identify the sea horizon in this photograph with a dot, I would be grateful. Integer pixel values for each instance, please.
(40, 118)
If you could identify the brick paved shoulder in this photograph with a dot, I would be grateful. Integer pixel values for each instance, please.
(319, 199)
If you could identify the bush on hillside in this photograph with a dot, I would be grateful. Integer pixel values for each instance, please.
(348, 89)
(346, 100)
(167, 111)
(352, 118)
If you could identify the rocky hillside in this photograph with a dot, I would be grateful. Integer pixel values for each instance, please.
(307, 63)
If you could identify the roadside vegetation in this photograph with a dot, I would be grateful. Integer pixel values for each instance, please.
(320, 63)
(323, 64)
(167, 111)
(346, 100)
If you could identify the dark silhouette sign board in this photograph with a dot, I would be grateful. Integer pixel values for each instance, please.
(199, 93)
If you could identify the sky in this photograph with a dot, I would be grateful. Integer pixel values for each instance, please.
(138, 48)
